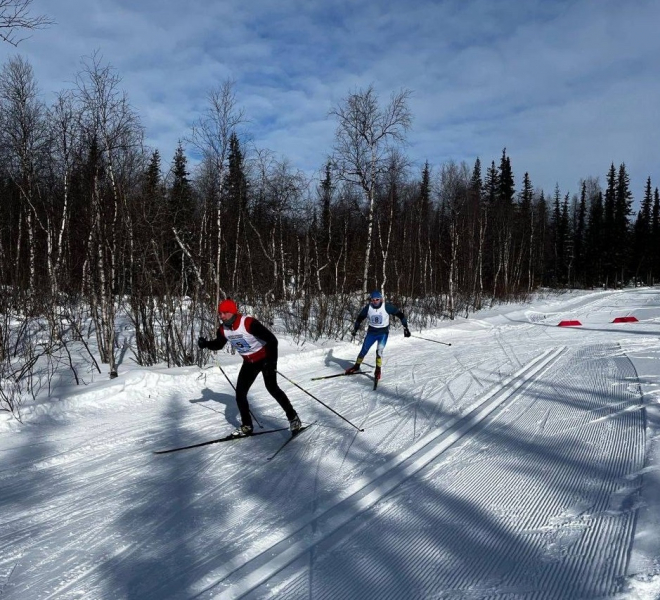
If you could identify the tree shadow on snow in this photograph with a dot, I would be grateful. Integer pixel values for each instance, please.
(162, 524)
(534, 533)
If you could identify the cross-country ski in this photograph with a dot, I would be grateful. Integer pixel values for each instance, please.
(340, 375)
(227, 438)
(293, 437)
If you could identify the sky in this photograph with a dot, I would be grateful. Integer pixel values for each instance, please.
(568, 87)
(501, 456)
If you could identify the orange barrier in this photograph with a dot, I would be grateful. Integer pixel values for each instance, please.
(569, 323)
(625, 320)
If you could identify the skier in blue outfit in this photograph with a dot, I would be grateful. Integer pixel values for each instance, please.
(378, 312)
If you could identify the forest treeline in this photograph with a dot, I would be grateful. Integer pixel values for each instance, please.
(94, 223)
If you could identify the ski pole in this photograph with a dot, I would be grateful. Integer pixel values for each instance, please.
(430, 340)
(232, 385)
(319, 401)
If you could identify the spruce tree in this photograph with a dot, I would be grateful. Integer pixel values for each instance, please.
(506, 191)
(609, 228)
(595, 242)
(543, 252)
(655, 235)
(557, 238)
(181, 214)
(642, 261)
(324, 234)
(479, 213)
(235, 189)
(579, 235)
(566, 241)
(622, 211)
(526, 228)
(491, 187)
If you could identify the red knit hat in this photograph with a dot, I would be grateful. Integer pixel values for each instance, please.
(228, 306)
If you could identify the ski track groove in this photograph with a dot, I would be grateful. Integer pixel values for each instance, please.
(89, 486)
(555, 538)
(578, 561)
(247, 567)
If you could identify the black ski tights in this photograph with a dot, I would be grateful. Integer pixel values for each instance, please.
(246, 377)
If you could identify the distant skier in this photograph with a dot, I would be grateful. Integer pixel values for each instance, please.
(378, 312)
(258, 347)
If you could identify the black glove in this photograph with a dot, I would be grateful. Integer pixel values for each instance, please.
(406, 332)
(354, 333)
(202, 342)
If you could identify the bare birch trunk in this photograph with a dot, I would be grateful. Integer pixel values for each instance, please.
(31, 251)
(386, 247)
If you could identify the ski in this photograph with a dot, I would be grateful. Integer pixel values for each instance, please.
(293, 437)
(227, 438)
(340, 375)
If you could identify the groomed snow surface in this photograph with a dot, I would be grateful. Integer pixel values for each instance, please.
(521, 461)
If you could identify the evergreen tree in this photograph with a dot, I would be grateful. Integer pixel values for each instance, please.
(609, 228)
(506, 188)
(526, 228)
(181, 199)
(479, 218)
(490, 189)
(566, 241)
(595, 242)
(642, 249)
(324, 237)
(492, 184)
(153, 221)
(655, 235)
(235, 189)
(152, 175)
(557, 238)
(543, 244)
(419, 267)
(181, 205)
(622, 211)
(476, 184)
(579, 236)
(503, 222)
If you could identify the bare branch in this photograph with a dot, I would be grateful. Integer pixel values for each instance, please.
(15, 17)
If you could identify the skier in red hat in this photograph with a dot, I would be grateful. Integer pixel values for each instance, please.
(258, 347)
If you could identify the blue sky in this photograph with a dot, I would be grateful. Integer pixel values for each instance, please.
(567, 86)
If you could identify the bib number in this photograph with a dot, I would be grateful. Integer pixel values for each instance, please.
(240, 345)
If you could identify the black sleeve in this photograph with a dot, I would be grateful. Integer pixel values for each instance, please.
(219, 342)
(260, 331)
(397, 312)
(402, 317)
(361, 317)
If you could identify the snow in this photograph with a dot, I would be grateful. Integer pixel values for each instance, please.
(521, 461)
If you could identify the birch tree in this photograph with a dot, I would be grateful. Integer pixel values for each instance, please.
(113, 134)
(24, 138)
(211, 135)
(453, 187)
(390, 209)
(365, 134)
(15, 18)
(65, 138)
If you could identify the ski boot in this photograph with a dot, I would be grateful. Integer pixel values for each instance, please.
(242, 431)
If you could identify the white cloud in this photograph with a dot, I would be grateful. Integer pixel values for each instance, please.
(566, 86)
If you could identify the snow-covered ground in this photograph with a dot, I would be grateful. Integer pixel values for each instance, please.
(521, 461)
